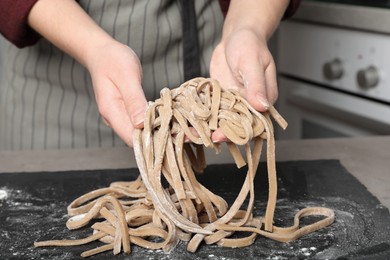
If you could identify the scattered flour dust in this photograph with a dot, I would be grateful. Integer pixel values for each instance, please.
(308, 251)
(14, 197)
(3, 193)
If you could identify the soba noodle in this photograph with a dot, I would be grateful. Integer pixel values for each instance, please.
(136, 212)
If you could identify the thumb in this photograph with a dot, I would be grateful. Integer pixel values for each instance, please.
(129, 84)
(253, 78)
(135, 104)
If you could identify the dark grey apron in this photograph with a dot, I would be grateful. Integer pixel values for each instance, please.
(46, 97)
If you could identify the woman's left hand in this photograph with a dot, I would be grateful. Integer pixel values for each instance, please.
(242, 60)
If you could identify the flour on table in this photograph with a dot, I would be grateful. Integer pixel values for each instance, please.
(3, 194)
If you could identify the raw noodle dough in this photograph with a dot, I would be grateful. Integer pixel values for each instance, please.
(146, 213)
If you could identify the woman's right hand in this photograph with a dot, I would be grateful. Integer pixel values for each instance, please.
(116, 76)
(115, 69)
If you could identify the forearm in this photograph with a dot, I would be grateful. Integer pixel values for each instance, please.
(66, 25)
(261, 16)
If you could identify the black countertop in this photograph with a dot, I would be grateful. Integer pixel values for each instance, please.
(33, 207)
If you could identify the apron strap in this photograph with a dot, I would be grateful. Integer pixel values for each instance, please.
(191, 55)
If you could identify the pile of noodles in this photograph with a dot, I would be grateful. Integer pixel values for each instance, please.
(149, 214)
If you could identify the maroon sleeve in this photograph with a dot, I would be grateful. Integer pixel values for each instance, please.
(224, 6)
(291, 9)
(13, 22)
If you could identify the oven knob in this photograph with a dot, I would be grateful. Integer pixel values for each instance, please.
(333, 69)
(368, 78)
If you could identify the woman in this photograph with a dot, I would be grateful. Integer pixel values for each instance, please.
(121, 53)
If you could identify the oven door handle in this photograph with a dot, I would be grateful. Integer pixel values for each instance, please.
(326, 100)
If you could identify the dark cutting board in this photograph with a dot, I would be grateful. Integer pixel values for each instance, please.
(34, 208)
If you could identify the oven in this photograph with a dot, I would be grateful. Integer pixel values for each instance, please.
(334, 77)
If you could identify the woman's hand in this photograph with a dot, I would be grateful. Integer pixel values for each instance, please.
(116, 76)
(115, 69)
(243, 62)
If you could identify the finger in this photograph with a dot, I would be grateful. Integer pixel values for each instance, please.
(193, 132)
(118, 119)
(220, 70)
(133, 97)
(113, 111)
(271, 83)
(218, 136)
(135, 103)
(254, 80)
(128, 80)
(106, 122)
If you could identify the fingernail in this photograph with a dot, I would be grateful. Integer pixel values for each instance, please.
(262, 101)
(138, 120)
(216, 141)
(220, 140)
(244, 80)
(106, 122)
(187, 140)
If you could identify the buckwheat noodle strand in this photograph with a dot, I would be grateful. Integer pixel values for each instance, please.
(145, 213)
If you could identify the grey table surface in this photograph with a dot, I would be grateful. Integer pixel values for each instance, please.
(367, 158)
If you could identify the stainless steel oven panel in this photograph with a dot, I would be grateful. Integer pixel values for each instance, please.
(318, 112)
(360, 17)
(304, 50)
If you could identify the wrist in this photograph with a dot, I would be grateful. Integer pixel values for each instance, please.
(261, 17)
(65, 24)
(91, 50)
